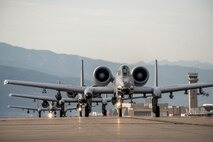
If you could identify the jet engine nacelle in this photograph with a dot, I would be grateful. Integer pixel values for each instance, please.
(140, 75)
(44, 104)
(102, 76)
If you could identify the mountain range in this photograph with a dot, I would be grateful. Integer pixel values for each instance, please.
(46, 66)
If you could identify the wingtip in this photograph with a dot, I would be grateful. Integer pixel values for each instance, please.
(6, 82)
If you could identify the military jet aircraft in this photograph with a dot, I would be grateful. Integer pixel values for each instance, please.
(125, 83)
(49, 102)
(39, 109)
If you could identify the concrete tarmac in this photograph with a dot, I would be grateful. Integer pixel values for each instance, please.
(107, 129)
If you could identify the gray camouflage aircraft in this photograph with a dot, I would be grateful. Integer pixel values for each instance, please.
(126, 83)
(49, 103)
(49, 109)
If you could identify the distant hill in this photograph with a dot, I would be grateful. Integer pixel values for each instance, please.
(68, 65)
(62, 65)
(193, 64)
(46, 66)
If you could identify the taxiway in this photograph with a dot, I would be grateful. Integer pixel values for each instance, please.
(107, 129)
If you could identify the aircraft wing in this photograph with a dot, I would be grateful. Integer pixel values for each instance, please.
(27, 108)
(137, 90)
(72, 108)
(43, 98)
(101, 100)
(60, 87)
(175, 88)
(143, 90)
(183, 87)
(135, 97)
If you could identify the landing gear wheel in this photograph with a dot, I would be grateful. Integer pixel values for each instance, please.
(120, 101)
(156, 110)
(87, 110)
(155, 107)
(39, 114)
(157, 113)
(120, 112)
(80, 113)
(114, 99)
(104, 112)
(61, 113)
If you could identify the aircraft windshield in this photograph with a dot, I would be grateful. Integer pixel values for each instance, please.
(125, 71)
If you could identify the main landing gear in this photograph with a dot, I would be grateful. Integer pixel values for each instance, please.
(104, 111)
(87, 109)
(62, 111)
(39, 114)
(155, 107)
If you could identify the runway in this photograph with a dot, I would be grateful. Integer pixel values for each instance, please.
(107, 129)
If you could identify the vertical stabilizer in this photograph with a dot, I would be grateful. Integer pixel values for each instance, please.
(156, 73)
(82, 73)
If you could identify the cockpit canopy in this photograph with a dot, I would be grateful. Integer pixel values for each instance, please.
(123, 71)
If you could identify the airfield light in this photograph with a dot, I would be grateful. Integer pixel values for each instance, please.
(50, 115)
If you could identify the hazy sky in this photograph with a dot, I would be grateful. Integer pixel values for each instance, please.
(116, 30)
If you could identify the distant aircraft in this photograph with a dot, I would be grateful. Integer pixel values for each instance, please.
(53, 103)
(125, 83)
(39, 110)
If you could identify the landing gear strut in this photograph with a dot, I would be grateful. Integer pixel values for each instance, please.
(104, 112)
(87, 110)
(120, 101)
(155, 107)
(62, 111)
(39, 114)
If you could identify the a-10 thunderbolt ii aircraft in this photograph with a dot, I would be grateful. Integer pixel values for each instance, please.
(51, 109)
(126, 82)
(52, 104)
(48, 103)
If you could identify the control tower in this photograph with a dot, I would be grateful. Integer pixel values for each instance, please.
(193, 78)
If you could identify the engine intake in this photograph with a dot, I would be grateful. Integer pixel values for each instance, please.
(140, 75)
(102, 76)
(44, 104)
(71, 94)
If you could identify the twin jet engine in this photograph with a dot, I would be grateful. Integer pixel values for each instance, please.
(102, 76)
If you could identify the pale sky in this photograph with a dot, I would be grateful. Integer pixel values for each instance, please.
(114, 30)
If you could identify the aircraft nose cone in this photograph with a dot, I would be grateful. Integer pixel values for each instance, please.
(126, 83)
